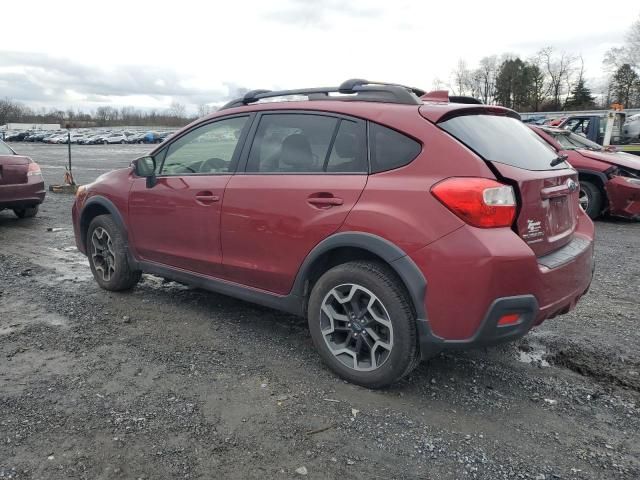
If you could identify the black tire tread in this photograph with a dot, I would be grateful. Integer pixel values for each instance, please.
(125, 278)
(595, 200)
(27, 212)
(393, 285)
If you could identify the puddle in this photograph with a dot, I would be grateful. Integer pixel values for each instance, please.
(16, 315)
(534, 355)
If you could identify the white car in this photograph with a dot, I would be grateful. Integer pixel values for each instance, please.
(631, 128)
(114, 138)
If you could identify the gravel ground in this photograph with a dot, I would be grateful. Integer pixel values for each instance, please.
(171, 382)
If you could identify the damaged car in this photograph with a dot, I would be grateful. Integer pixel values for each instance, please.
(609, 179)
(399, 223)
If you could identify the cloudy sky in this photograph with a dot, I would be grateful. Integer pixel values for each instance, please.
(148, 54)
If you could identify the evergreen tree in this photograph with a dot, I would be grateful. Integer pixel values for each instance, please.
(624, 85)
(581, 97)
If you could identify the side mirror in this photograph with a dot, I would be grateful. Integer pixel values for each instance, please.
(146, 167)
(611, 149)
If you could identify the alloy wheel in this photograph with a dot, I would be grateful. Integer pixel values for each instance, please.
(356, 327)
(102, 253)
(584, 199)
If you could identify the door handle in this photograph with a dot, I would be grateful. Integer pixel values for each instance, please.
(207, 197)
(325, 202)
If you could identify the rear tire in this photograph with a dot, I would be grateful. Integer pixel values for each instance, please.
(107, 252)
(590, 199)
(362, 324)
(27, 212)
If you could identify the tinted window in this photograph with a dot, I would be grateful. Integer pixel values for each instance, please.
(390, 149)
(503, 140)
(349, 151)
(205, 150)
(5, 150)
(291, 143)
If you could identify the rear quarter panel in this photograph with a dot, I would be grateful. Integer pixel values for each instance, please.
(398, 205)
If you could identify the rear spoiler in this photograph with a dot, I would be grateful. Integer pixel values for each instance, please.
(442, 96)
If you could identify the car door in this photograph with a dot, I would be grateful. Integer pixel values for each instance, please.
(303, 173)
(177, 221)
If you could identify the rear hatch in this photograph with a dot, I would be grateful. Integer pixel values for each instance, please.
(547, 194)
(13, 169)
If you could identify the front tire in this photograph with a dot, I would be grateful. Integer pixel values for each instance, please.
(27, 212)
(362, 324)
(106, 249)
(590, 199)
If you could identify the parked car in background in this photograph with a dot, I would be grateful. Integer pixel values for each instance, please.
(631, 128)
(136, 138)
(114, 138)
(398, 223)
(609, 180)
(21, 183)
(151, 137)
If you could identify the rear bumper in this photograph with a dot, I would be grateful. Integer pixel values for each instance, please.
(476, 276)
(23, 195)
(624, 198)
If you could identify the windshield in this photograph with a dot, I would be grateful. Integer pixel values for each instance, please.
(571, 141)
(503, 140)
(4, 149)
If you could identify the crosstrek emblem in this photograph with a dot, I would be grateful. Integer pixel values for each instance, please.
(572, 185)
(534, 231)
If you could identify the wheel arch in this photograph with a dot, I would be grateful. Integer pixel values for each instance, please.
(599, 179)
(95, 206)
(348, 246)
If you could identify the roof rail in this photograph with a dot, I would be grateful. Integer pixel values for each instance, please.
(353, 89)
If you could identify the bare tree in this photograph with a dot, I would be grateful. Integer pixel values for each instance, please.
(177, 110)
(484, 79)
(558, 69)
(204, 110)
(461, 78)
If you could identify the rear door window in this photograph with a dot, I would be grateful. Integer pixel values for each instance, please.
(502, 139)
(390, 149)
(307, 143)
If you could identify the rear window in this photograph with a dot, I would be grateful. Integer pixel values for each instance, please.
(390, 149)
(502, 140)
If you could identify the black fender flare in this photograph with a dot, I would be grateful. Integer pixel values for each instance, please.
(398, 260)
(107, 205)
(601, 175)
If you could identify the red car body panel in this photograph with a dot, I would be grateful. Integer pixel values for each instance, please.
(193, 241)
(270, 224)
(17, 188)
(262, 230)
(623, 197)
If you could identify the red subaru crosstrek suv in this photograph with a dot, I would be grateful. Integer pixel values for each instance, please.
(399, 223)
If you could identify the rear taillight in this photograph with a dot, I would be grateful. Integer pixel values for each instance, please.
(34, 169)
(480, 202)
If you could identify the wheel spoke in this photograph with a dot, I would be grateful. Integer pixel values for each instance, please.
(356, 327)
(103, 253)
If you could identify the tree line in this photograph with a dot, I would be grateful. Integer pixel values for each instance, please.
(105, 116)
(551, 80)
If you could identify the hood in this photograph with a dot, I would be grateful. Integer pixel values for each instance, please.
(621, 159)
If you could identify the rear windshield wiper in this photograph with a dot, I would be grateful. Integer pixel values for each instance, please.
(559, 159)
